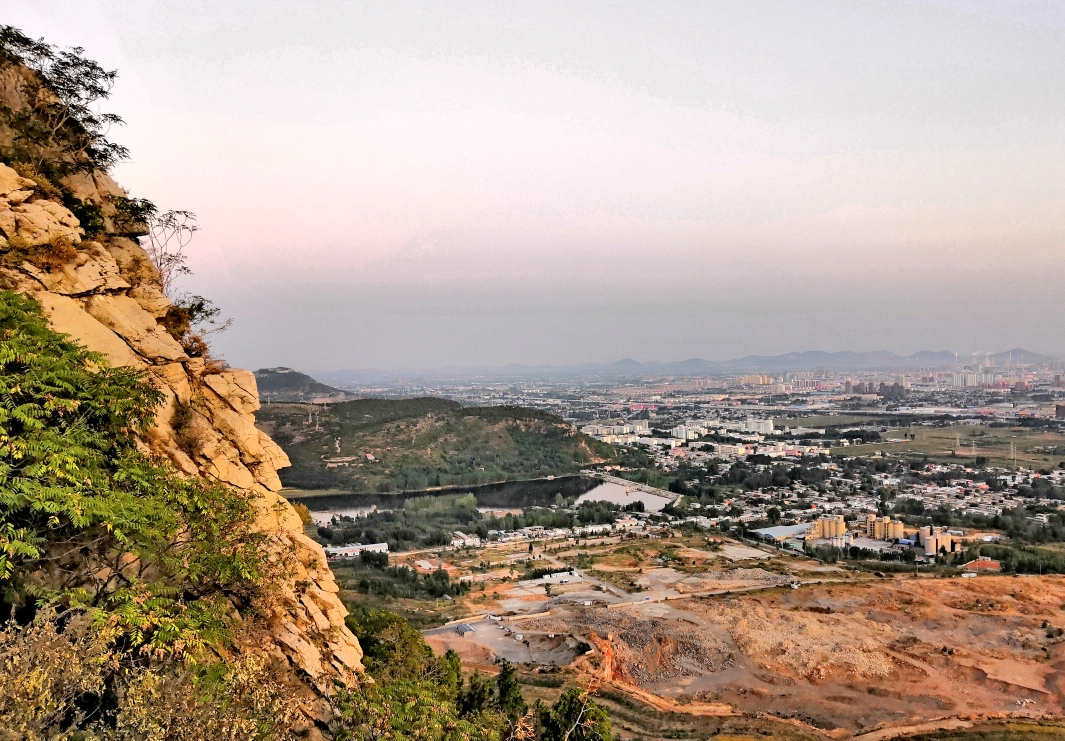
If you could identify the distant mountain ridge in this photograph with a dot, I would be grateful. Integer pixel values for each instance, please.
(876, 360)
(285, 384)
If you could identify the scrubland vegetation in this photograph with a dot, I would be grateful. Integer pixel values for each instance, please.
(422, 443)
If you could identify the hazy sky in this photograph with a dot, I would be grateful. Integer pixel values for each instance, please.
(416, 185)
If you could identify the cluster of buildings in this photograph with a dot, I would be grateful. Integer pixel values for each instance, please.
(626, 433)
(965, 496)
(869, 531)
(695, 429)
(638, 431)
(635, 522)
(869, 526)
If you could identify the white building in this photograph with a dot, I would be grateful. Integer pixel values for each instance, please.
(353, 550)
(687, 432)
(462, 540)
(761, 426)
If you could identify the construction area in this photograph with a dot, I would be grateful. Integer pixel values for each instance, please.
(682, 629)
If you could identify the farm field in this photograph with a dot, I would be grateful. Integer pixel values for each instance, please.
(819, 421)
(1034, 448)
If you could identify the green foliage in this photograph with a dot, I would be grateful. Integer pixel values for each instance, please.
(1014, 523)
(405, 709)
(573, 717)
(441, 504)
(1021, 559)
(546, 571)
(430, 521)
(423, 522)
(508, 693)
(475, 697)
(401, 581)
(507, 413)
(89, 215)
(63, 678)
(132, 215)
(415, 695)
(425, 442)
(60, 131)
(86, 518)
(190, 318)
(588, 513)
(392, 648)
(62, 432)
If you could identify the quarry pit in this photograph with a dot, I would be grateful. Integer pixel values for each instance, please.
(840, 655)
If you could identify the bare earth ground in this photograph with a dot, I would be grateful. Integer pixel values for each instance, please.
(849, 657)
(839, 659)
(681, 641)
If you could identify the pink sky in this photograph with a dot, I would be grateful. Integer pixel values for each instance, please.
(379, 185)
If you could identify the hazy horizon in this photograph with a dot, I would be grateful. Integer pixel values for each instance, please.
(651, 366)
(385, 185)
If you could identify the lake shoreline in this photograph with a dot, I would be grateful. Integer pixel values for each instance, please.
(301, 495)
(501, 495)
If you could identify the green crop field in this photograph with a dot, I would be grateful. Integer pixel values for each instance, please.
(820, 421)
(1033, 448)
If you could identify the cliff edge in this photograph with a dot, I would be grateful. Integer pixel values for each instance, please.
(106, 294)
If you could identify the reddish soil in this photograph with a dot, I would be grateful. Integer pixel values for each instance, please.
(844, 658)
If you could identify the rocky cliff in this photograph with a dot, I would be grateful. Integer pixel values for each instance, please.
(106, 294)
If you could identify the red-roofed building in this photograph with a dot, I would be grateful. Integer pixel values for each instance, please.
(983, 563)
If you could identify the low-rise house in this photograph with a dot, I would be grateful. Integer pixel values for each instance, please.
(353, 550)
(462, 540)
(983, 563)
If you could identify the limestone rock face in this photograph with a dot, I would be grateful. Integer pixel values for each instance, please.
(93, 268)
(36, 220)
(108, 298)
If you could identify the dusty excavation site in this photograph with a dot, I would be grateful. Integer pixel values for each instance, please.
(734, 631)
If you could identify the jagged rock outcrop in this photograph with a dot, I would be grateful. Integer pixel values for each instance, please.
(106, 294)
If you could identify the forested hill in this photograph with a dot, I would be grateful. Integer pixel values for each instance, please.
(285, 384)
(420, 443)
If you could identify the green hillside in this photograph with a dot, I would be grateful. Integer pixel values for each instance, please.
(421, 443)
(285, 384)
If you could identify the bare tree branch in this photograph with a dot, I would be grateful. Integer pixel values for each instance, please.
(168, 235)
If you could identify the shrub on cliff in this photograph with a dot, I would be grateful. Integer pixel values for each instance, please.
(89, 520)
(120, 575)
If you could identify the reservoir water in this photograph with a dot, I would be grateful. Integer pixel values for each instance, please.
(507, 495)
(622, 495)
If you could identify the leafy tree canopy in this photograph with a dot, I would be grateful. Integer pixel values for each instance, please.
(87, 519)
